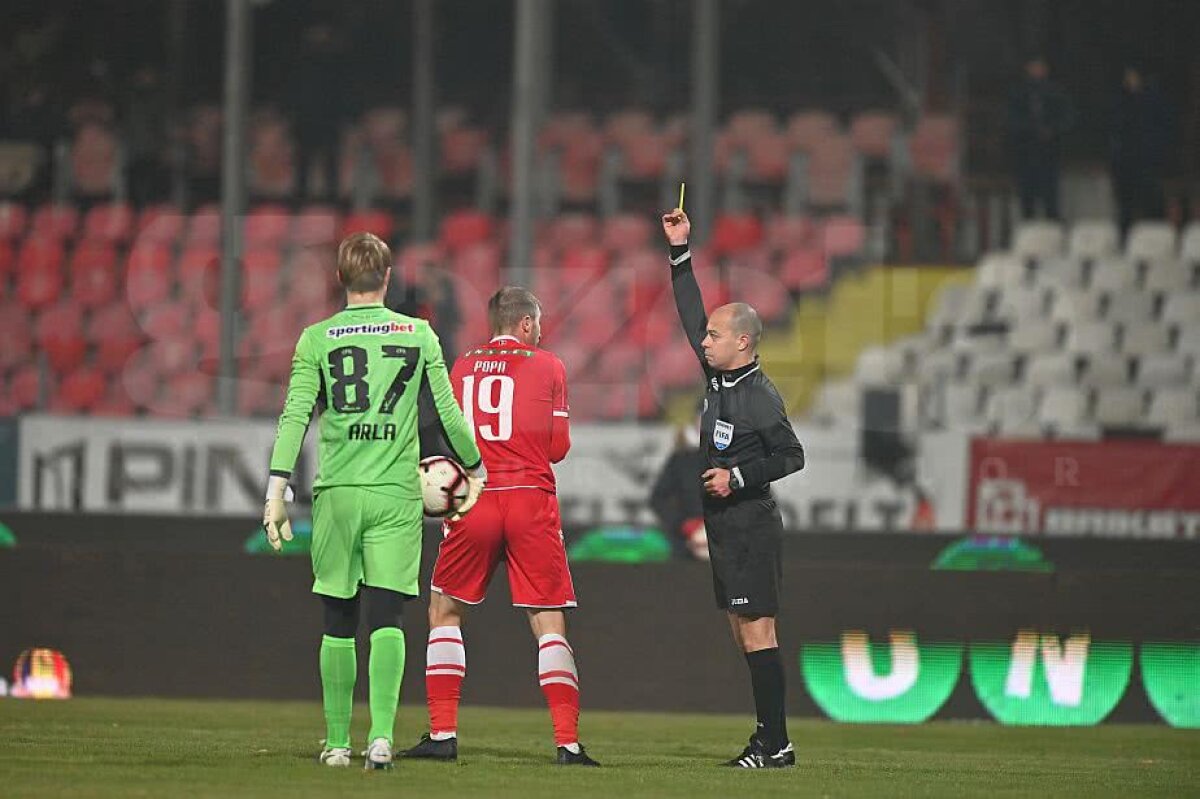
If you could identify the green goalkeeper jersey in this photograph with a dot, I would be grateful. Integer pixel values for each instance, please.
(362, 369)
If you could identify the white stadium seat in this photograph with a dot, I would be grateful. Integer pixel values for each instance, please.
(1164, 370)
(1144, 338)
(1075, 306)
(1174, 406)
(1173, 275)
(1000, 269)
(1151, 241)
(1181, 308)
(878, 366)
(1033, 336)
(1063, 407)
(1079, 431)
(1129, 306)
(1038, 240)
(1020, 303)
(991, 369)
(1105, 371)
(1051, 369)
(1189, 339)
(938, 366)
(1091, 338)
(948, 306)
(960, 406)
(1183, 433)
(1013, 410)
(838, 404)
(1093, 239)
(1119, 407)
(1189, 246)
(1113, 274)
(1064, 272)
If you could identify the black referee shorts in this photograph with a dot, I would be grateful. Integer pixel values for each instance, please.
(745, 543)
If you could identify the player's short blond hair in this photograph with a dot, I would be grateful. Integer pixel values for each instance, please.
(363, 261)
(509, 306)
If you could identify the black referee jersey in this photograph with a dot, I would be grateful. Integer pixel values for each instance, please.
(745, 429)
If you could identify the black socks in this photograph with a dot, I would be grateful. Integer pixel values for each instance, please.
(766, 676)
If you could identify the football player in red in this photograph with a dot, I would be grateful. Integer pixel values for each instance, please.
(514, 397)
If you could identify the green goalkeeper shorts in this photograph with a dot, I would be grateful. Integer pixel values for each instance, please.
(368, 536)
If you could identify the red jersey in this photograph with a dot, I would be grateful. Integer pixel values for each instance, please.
(514, 398)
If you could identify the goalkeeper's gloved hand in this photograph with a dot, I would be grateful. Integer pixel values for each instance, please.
(275, 519)
(476, 480)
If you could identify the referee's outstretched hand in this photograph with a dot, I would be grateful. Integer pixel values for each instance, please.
(677, 227)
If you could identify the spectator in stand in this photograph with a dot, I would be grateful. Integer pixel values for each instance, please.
(317, 95)
(676, 497)
(1141, 133)
(432, 297)
(1039, 113)
(144, 126)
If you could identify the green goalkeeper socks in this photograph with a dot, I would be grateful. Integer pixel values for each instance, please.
(386, 671)
(338, 669)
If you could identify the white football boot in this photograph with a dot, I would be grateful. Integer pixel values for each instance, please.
(378, 755)
(335, 756)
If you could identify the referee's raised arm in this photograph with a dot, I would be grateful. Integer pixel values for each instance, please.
(688, 300)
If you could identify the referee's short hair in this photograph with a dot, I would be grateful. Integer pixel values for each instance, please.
(744, 320)
(509, 306)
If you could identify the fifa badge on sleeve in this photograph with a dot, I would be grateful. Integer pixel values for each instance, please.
(722, 434)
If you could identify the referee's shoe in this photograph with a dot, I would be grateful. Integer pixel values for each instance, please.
(756, 756)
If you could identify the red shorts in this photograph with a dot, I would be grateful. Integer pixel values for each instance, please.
(520, 525)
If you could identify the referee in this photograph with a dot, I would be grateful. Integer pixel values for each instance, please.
(747, 442)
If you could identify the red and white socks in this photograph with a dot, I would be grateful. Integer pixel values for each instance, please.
(560, 684)
(445, 668)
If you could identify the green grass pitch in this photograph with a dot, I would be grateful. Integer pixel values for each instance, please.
(171, 748)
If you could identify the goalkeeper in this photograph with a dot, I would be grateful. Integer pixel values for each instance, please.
(362, 369)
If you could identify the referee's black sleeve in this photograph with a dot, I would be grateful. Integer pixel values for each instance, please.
(784, 454)
(688, 300)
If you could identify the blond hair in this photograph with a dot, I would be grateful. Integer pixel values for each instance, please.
(363, 260)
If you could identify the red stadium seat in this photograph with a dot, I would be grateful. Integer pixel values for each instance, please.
(757, 286)
(310, 278)
(734, 233)
(629, 123)
(479, 265)
(173, 355)
(204, 228)
(411, 260)
(751, 124)
(259, 397)
(843, 235)
(55, 222)
(140, 381)
(768, 159)
(644, 156)
(80, 391)
(93, 274)
(271, 157)
(59, 334)
(570, 230)
(267, 226)
(115, 402)
(787, 233)
(148, 275)
(579, 168)
(115, 335)
(167, 320)
(626, 232)
(806, 129)
(25, 387)
(111, 222)
(462, 149)
(830, 167)
(934, 147)
(159, 224)
(316, 225)
(8, 265)
(374, 221)
(804, 269)
(463, 228)
(206, 326)
(260, 277)
(13, 219)
(584, 262)
(39, 273)
(17, 336)
(200, 276)
(187, 394)
(872, 133)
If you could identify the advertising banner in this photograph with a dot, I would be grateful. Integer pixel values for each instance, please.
(1125, 489)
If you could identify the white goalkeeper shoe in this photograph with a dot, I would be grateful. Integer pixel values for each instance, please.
(378, 755)
(335, 756)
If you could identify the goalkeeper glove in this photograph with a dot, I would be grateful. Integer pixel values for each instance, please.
(275, 519)
(476, 480)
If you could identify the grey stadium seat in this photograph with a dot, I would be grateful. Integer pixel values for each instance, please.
(1164, 370)
(1042, 239)
(1013, 410)
(1033, 336)
(999, 269)
(1174, 406)
(1105, 371)
(1189, 339)
(1144, 338)
(1051, 369)
(1091, 338)
(960, 407)
(1061, 272)
(1129, 306)
(1093, 239)
(1120, 407)
(1021, 303)
(1181, 308)
(878, 366)
(991, 370)
(948, 306)
(1063, 407)
(1079, 305)
(1151, 241)
(1113, 274)
(1172, 275)
(1189, 246)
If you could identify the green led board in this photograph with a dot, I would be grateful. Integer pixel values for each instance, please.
(1050, 680)
(1171, 674)
(898, 681)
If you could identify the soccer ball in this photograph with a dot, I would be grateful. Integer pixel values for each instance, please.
(443, 485)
